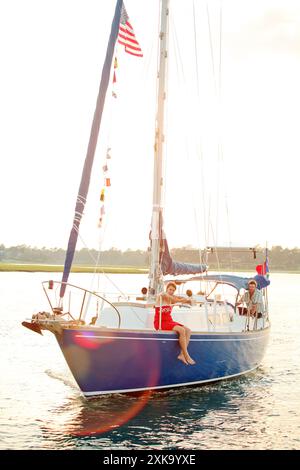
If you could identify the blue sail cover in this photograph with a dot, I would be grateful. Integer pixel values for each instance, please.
(168, 266)
(88, 164)
(236, 281)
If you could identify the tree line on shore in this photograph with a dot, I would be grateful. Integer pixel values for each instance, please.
(279, 258)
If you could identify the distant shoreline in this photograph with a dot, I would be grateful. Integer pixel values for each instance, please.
(57, 268)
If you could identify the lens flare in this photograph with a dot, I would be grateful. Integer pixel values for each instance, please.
(93, 420)
(89, 341)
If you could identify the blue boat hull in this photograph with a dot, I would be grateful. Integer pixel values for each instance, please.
(116, 361)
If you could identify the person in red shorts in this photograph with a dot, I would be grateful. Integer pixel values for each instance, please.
(163, 309)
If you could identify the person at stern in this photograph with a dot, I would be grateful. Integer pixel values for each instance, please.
(253, 299)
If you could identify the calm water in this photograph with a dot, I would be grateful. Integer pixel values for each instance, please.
(41, 407)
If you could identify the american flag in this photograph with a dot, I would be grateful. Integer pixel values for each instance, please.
(127, 37)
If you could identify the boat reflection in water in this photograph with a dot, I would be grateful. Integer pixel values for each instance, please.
(154, 417)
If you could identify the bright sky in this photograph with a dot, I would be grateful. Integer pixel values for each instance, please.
(51, 59)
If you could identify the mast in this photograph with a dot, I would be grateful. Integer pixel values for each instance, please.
(155, 274)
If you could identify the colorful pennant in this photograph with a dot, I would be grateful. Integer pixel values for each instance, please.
(106, 184)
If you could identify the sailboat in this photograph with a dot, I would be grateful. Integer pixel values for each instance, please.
(111, 346)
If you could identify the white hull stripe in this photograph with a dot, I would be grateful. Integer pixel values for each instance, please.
(170, 339)
(106, 392)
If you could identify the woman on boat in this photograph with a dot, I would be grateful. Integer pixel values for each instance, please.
(164, 321)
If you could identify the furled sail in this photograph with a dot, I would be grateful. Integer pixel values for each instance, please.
(88, 164)
(169, 266)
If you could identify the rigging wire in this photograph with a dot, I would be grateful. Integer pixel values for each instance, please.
(98, 270)
(217, 257)
(217, 89)
(211, 49)
(107, 277)
(99, 267)
(180, 68)
(199, 151)
(181, 74)
(220, 49)
(221, 144)
(218, 92)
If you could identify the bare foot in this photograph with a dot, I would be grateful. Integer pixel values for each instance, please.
(182, 358)
(191, 361)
